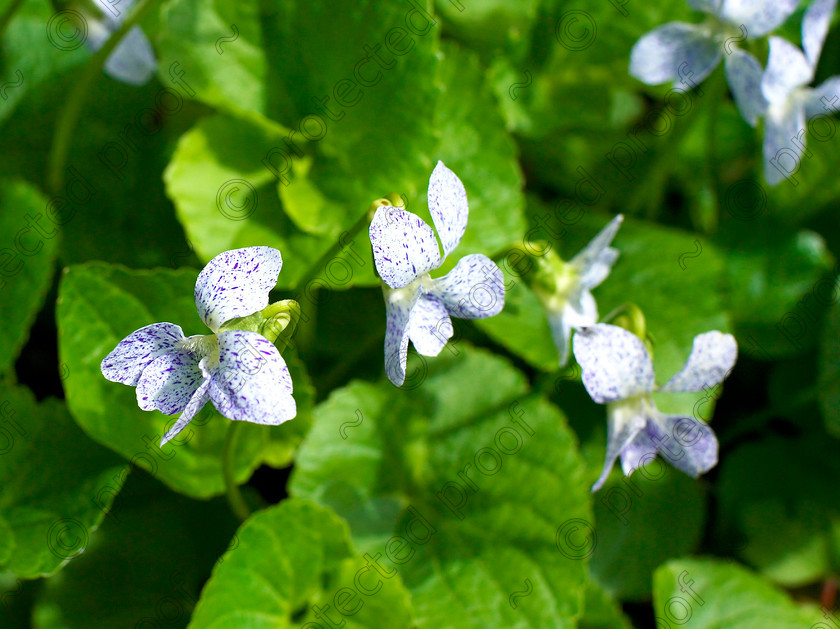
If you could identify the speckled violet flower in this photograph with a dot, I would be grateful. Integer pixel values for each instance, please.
(789, 102)
(688, 53)
(133, 60)
(239, 370)
(617, 371)
(405, 251)
(570, 304)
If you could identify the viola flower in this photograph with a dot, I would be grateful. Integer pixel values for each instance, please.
(617, 371)
(133, 60)
(789, 102)
(236, 367)
(565, 290)
(678, 50)
(405, 252)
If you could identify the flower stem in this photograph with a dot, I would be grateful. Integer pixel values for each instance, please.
(237, 501)
(69, 116)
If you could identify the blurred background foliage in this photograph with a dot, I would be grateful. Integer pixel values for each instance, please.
(110, 236)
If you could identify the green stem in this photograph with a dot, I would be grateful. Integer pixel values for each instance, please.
(9, 14)
(234, 496)
(316, 269)
(69, 115)
(717, 86)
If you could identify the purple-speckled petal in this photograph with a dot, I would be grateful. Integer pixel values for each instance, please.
(712, 357)
(784, 140)
(743, 73)
(640, 451)
(624, 421)
(676, 52)
(823, 99)
(133, 60)
(787, 69)
(759, 17)
(429, 325)
(169, 381)
(685, 442)
(614, 362)
(580, 310)
(404, 246)
(196, 403)
(448, 207)
(236, 283)
(252, 382)
(595, 261)
(815, 25)
(131, 356)
(474, 289)
(398, 308)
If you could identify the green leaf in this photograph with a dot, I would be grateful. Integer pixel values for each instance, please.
(146, 566)
(57, 485)
(829, 366)
(711, 594)
(27, 263)
(433, 477)
(789, 482)
(294, 565)
(602, 612)
(99, 305)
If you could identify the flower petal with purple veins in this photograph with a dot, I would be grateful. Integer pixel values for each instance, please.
(787, 69)
(196, 403)
(815, 25)
(398, 309)
(404, 246)
(713, 354)
(236, 283)
(759, 17)
(448, 207)
(594, 262)
(614, 362)
(675, 52)
(685, 442)
(130, 357)
(474, 289)
(743, 73)
(251, 382)
(429, 325)
(624, 422)
(168, 382)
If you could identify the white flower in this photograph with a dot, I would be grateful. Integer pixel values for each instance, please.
(133, 60)
(405, 251)
(787, 100)
(617, 371)
(240, 371)
(571, 305)
(689, 52)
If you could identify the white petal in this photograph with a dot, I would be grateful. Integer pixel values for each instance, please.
(639, 451)
(131, 356)
(236, 283)
(823, 99)
(758, 16)
(784, 139)
(448, 207)
(429, 325)
(815, 25)
(474, 289)
(196, 403)
(404, 246)
(707, 6)
(581, 310)
(398, 311)
(561, 333)
(713, 354)
(614, 362)
(252, 382)
(674, 52)
(685, 442)
(786, 70)
(596, 259)
(743, 73)
(168, 382)
(133, 60)
(624, 421)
